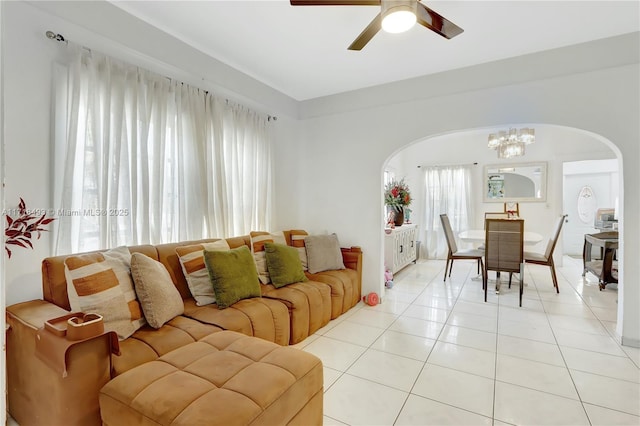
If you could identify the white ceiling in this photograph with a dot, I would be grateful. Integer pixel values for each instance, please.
(302, 51)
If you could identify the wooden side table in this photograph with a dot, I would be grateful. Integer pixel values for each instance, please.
(38, 393)
(605, 268)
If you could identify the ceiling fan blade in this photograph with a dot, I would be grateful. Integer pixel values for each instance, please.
(436, 22)
(334, 2)
(367, 34)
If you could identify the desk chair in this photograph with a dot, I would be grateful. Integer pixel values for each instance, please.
(504, 249)
(546, 258)
(455, 254)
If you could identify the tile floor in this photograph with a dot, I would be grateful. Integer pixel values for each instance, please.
(435, 354)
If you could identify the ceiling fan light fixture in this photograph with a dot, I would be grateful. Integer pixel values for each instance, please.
(398, 16)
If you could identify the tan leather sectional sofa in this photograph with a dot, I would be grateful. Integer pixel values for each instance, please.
(38, 394)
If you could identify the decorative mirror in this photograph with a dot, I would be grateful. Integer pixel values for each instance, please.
(515, 182)
(587, 205)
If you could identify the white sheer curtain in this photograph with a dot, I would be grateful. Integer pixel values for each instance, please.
(144, 159)
(239, 167)
(448, 191)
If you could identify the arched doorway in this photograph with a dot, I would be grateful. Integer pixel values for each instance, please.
(555, 145)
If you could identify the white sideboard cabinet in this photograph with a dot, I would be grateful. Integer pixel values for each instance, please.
(400, 247)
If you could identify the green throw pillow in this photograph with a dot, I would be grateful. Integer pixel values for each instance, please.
(233, 275)
(284, 265)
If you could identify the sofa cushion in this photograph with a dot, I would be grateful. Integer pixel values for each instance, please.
(323, 253)
(147, 344)
(195, 271)
(259, 317)
(258, 239)
(159, 298)
(101, 283)
(297, 240)
(283, 264)
(309, 306)
(345, 288)
(225, 378)
(233, 275)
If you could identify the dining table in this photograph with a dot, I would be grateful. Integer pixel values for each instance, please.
(478, 236)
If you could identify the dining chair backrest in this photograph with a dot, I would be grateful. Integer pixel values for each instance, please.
(504, 244)
(495, 215)
(448, 233)
(551, 245)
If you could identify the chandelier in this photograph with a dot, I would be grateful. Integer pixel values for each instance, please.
(511, 144)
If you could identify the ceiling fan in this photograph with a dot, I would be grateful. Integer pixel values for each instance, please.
(395, 16)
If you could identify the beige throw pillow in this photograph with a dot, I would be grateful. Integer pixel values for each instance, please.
(323, 253)
(297, 241)
(195, 271)
(101, 283)
(258, 239)
(160, 299)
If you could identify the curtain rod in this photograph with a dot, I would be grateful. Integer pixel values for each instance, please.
(447, 165)
(59, 37)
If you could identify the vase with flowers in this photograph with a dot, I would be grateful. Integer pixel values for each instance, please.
(397, 197)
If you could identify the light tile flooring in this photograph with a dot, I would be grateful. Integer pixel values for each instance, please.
(435, 354)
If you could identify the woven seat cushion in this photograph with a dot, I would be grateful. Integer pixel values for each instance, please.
(469, 252)
(532, 256)
(225, 378)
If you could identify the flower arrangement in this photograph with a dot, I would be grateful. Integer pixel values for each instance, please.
(397, 194)
(20, 230)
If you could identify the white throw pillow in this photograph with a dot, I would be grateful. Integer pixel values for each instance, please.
(195, 271)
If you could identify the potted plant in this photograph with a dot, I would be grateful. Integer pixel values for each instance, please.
(397, 197)
(20, 230)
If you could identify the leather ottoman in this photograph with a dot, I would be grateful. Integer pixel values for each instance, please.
(225, 378)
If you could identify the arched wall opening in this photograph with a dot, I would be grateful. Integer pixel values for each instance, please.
(554, 145)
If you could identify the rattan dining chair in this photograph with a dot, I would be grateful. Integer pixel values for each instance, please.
(504, 243)
(546, 258)
(496, 215)
(455, 254)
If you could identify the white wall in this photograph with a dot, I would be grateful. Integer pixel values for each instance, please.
(603, 178)
(3, 358)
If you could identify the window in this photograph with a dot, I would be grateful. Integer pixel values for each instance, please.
(143, 159)
(448, 190)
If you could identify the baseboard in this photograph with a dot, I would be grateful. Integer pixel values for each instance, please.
(634, 343)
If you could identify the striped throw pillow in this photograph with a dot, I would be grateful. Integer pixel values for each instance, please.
(101, 283)
(195, 271)
(297, 241)
(258, 239)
